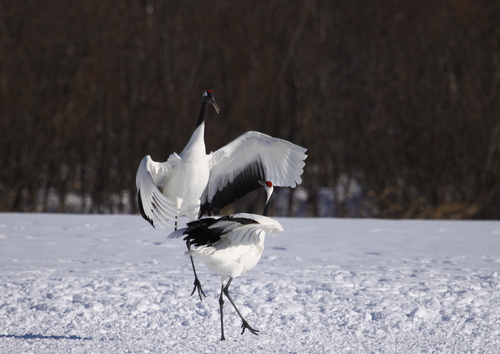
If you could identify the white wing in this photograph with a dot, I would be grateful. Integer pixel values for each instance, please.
(247, 233)
(269, 225)
(154, 206)
(237, 168)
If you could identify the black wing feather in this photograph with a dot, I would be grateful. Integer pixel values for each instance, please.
(245, 182)
(200, 233)
(141, 208)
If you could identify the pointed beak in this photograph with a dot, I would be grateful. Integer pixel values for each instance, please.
(216, 106)
(269, 192)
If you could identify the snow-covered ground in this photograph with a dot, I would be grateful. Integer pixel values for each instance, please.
(112, 284)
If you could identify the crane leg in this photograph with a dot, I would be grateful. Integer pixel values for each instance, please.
(245, 324)
(197, 284)
(221, 305)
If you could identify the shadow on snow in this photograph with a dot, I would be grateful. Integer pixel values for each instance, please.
(39, 336)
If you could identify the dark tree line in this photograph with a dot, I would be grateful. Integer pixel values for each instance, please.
(398, 102)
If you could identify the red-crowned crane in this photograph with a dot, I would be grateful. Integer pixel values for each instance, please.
(195, 183)
(229, 246)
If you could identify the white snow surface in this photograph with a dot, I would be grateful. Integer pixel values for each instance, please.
(112, 284)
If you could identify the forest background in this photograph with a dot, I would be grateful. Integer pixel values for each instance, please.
(397, 102)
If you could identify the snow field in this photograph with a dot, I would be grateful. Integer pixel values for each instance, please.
(100, 284)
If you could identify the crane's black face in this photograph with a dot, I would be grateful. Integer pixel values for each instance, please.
(209, 97)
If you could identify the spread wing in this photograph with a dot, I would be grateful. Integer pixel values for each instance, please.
(154, 206)
(237, 168)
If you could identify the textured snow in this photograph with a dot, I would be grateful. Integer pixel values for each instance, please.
(112, 284)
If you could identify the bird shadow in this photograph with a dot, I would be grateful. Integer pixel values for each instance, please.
(40, 336)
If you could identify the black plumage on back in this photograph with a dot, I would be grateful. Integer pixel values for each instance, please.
(200, 233)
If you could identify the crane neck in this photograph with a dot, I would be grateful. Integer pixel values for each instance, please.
(269, 194)
(266, 209)
(203, 113)
(196, 145)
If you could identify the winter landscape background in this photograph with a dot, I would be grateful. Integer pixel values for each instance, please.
(396, 102)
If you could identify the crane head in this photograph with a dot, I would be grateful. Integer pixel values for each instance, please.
(268, 186)
(208, 96)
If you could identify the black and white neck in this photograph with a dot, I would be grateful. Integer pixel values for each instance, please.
(195, 148)
(208, 98)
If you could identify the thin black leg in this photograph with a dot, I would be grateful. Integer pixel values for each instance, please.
(197, 284)
(245, 324)
(221, 305)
